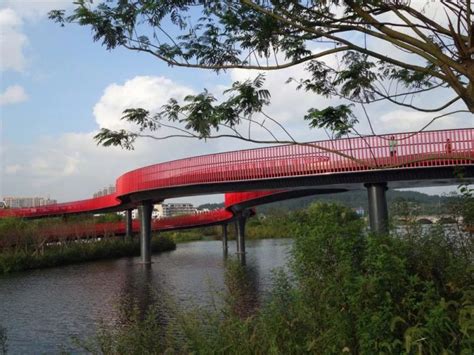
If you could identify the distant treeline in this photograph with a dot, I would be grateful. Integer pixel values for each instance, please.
(427, 204)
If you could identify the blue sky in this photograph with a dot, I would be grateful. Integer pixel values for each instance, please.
(63, 76)
(58, 88)
(67, 72)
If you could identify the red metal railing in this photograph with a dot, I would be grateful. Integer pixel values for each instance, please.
(409, 150)
(392, 151)
(89, 205)
(87, 229)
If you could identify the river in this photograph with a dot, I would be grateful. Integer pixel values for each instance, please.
(42, 310)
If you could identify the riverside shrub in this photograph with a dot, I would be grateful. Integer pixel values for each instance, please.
(347, 291)
(76, 252)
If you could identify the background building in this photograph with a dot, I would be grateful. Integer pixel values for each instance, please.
(105, 191)
(25, 202)
(176, 209)
(168, 210)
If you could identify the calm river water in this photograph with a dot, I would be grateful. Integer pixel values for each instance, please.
(42, 310)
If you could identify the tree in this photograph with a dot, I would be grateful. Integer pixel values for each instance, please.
(425, 55)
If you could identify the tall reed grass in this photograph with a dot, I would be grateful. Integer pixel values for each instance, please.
(347, 292)
(61, 253)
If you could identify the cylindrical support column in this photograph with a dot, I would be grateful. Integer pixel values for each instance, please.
(378, 211)
(240, 223)
(128, 224)
(224, 239)
(146, 209)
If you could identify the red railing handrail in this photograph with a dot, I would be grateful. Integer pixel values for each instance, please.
(302, 143)
(354, 154)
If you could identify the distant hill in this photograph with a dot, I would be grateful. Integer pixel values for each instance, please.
(429, 204)
(211, 206)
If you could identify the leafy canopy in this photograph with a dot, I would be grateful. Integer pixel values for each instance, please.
(428, 54)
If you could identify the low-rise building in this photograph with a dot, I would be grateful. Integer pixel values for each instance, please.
(176, 209)
(26, 202)
(164, 210)
(105, 191)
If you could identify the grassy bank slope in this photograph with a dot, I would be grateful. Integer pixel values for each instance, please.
(76, 252)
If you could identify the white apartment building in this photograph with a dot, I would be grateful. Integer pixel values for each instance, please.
(26, 202)
(168, 210)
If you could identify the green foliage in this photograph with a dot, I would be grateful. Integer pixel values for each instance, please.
(348, 292)
(273, 225)
(108, 217)
(467, 204)
(137, 335)
(76, 252)
(356, 79)
(338, 119)
(189, 235)
(461, 206)
(348, 64)
(31, 236)
(418, 203)
(211, 206)
(199, 113)
(185, 236)
(109, 138)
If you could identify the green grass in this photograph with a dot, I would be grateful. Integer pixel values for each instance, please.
(191, 235)
(77, 252)
(185, 236)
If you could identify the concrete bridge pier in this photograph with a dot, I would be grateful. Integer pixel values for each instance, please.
(378, 211)
(146, 209)
(128, 224)
(224, 239)
(240, 224)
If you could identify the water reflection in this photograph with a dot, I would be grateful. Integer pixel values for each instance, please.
(242, 288)
(44, 308)
(137, 289)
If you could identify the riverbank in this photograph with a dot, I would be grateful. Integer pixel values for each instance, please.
(77, 252)
(186, 236)
(346, 291)
(274, 226)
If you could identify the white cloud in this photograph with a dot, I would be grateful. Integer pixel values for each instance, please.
(12, 41)
(35, 9)
(398, 120)
(289, 106)
(12, 95)
(146, 92)
(71, 166)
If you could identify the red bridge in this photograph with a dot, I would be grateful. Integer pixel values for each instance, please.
(256, 176)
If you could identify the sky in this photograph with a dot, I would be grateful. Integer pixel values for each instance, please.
(58, 88)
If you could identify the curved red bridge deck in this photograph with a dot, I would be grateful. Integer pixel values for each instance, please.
(425, 157)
